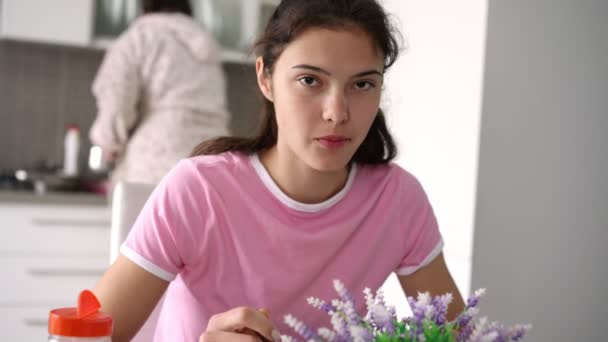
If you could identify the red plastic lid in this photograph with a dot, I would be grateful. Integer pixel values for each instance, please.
(83, 321)
(73, 126)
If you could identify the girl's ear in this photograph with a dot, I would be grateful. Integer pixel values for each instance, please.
(264, 80)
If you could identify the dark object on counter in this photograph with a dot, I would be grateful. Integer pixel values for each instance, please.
(43, 182)
(9, 182)
(56, 182)
(44, 177)
(39, 182)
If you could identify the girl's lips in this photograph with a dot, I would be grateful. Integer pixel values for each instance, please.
(333, 142)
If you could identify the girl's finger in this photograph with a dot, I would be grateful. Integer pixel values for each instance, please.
(240, 318)
(224, 336)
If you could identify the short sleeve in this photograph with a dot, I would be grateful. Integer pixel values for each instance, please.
(163, 238)
(423, 241)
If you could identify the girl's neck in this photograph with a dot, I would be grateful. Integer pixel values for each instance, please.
(299, 181)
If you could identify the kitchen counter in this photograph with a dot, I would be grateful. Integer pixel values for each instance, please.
(59, 198)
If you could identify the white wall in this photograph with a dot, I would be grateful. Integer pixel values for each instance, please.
(542, 215)
(434, 104)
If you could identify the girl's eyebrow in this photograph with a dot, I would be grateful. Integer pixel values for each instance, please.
(317, 69)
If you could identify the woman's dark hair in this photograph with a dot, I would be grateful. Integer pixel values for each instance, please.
(179, 6)
(291, 18)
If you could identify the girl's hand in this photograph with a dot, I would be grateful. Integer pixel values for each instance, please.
(240, 325)
(109, 155)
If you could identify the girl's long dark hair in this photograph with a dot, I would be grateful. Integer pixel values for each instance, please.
(178, 6)
(291, 18)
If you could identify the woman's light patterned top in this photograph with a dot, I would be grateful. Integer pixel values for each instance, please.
(160, 91)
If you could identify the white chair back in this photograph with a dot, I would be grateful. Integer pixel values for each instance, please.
(127, 201)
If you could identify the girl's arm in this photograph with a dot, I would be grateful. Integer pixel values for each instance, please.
(117, 89)
(434, 278)
(128, 293)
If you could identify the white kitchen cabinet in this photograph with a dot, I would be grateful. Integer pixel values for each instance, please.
(49, 252)
(1, 18)
(47, 280)
(55, 229)
(96, 23)
(58, 21)
(24, 324)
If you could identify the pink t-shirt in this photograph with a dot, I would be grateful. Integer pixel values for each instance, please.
(225, 235)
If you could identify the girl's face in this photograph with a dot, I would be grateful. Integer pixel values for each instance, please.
(326, 88)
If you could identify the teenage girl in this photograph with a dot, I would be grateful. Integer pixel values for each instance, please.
(265, 222)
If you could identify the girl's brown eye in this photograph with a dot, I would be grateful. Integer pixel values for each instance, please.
(364, 85)
(308, 81)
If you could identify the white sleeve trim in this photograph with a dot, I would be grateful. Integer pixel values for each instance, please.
(146, 264)
(411, 269)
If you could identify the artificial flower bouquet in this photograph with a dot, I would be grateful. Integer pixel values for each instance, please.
(380, 324)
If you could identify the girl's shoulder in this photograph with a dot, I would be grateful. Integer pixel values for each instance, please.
(193, 177)
(389, 172)
(212, 167)
(220, 160)
(391, 180)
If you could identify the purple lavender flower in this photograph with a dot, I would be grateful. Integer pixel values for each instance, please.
(503, 334)
(495, 333)
(422, 309)
(286, 338)
(340, 326)
(478, 331)
(465, 333)
(379, 316)
(320, 304)
(327, 334)
(389, 327)
(463, 322)
(347, 304)
(380, 319)
(518, 331)
(474, 299)
(360, 334)
(440, 303)
(379, 298)
(301, 328)
(369, 302)
(343, 292)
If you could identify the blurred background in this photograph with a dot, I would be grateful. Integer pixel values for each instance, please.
(500, 108)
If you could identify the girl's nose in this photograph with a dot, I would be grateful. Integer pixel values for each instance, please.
(336, 109)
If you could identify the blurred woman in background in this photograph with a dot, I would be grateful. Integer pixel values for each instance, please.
(159, 91)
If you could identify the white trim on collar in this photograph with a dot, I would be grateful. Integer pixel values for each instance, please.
(293, 204)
